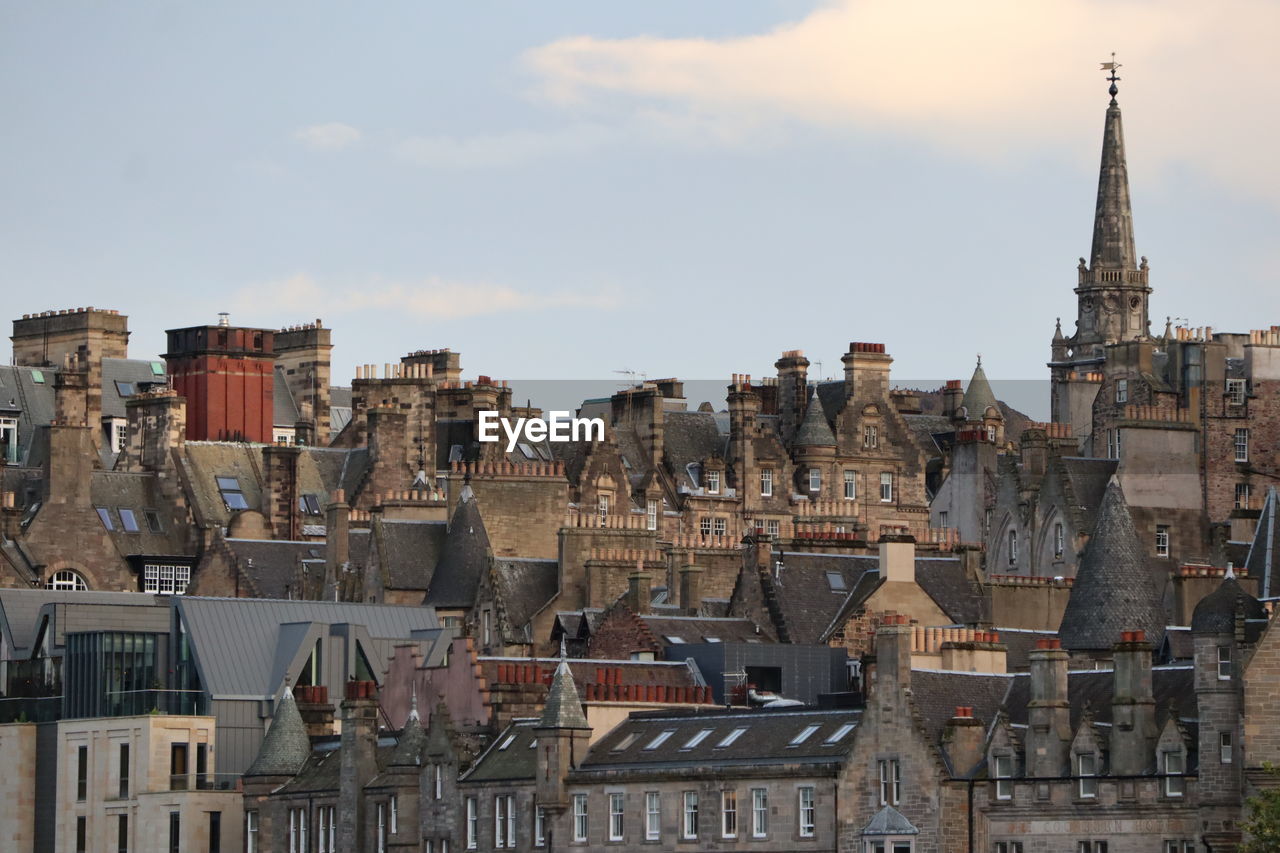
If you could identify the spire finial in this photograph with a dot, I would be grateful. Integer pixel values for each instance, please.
(1112, 66)
(979, 359)
(564, 654)
(413, 700)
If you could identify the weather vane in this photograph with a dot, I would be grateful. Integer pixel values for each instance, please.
(1113, 67)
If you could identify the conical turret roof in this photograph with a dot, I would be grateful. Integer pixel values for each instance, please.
(1113, 591)
(979, 397)
(1216, 612)
(564, 708)
(814, 430)
(287, 745)
(464, 558)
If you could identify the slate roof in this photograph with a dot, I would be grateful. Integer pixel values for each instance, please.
(286, 746)
(691, 437)
(1262, 559)
(1216, 612)
(237, 641)
(815, 430)
(511, 756)
(136, 372)
(284, 409)
(944, 579)
(832, 396)
(1172, 686)
(464, 557)
(116, 490)
(935, 695)
(410, 743)
(408, 551)
(1087, 480)
(806, 598)
(563, 707)
(272, 565)
(931, 431)
(979, 397)
(889, 821)
(525, 586)
(701, 629)
(1113, 591)
(32, 401)
(1018, 643)
(767, 740)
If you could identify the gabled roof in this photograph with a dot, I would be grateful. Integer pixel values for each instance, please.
(813, 588)
(510, 758)
(688, 438)
(1086, 482)
(464, 558)
(408, 551)
(287, 746)
(524, 586)
(703, 629)
(1262, 561)
(1114, 591)
(1173, 688)
(22, 611)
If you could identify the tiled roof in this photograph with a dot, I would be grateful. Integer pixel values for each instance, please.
(464, 557)
(272, 565)
(1114, 591)
(563, 707)
(511, 756)
(690, 437)
(1216, 612)
(936, 694)
(815, 430)
(286, 746)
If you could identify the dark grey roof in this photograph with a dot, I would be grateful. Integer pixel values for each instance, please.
(814, 430)
(1261, 562)
(286, 746)
(767, 739)
(936, 694)
(690, 437)
(510, 758)
(23, 610)
(408, 552)
(563, 709)
(1114, 591)
(832, 395)
(410, 743)
(1087, 480)
(139, 374)
(1173, 688)
(1216, 612)
(284, 410)
(808, 600)
(702, 629)
(979, 397)
(32, 401)
(525, 586)
(889, 821)
(272, 565)
(928, 429)
(464, 558)
(946, 582)
(138, 492)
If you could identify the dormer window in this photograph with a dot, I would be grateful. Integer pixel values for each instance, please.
(1087, 770)
(1175, 784)
(713, 482)
(9, 440)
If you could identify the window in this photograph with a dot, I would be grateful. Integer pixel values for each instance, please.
(696, 739)
(766, 483)
(438, 790)
(1087, 770)
(178, 766)
(298, 829)
(328, 835)
(9, 440)
(652, 815)
(124, 771)
(232, 495)
(890, 781)
(840, 733)
(728, 814)
(37, 376)
(122, 834)
(815, 480)
(486, 621)
(806, 812)
(1003, 774)
(1242, 445)
(1008, 847)
(153, 521)
(1013, 547)
(118, 434)
(1224, 663)
(175, 832)
(395, 816)
(1059, 539)
(943, 518)
(124, 389)
(504, 806)
(651, 515)
(850, 485)
(886, 487)
(579, 817)
(771, 527)
(1122, 390)
(617, 804)
(713, 482)
(165, 580)
(1174, 782)
(870, 436)
(251, 832)
(660, 739)
(1224, 747)
(473, 824)
(1235, 392)
(1111, 444)
(1179, 847)
(67, 579)
(82, 834)
(602, 507)
(704, 525)
(690, 826)
(82, 773)
(759, 812)
(215, 832)
(104, 515)
(719, 526)
(803, 735)
(539, 826)
(1244, 492)
(1162, 540)
(309, 505)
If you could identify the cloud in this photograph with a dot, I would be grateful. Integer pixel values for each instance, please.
(333, 136)
(986, 80)
(431, 298)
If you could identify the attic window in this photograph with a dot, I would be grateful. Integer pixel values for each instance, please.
(526, 450)
(711, 639)
(105, 515)
(696, 739)
(37, 376)
(157, 368)
(124, 389)
(506, 743)
(625, 742)
(838, 734)
(153, 521)
(128, 520)
(803, 735)
(309, 505)
(232, 495)
(836, 582)
(731, 737)
(660, 739)
(675, 640)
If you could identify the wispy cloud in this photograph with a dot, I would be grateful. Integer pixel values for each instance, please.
(333, 136)
(983, 80)
(432, 298)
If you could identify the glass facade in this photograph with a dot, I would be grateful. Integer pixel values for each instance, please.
(118, 673)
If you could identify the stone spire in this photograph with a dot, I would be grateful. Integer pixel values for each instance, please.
(287, 746)
(563, 709)
(1113, 217)
(979, 397)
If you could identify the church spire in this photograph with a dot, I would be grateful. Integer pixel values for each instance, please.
(1113, 218)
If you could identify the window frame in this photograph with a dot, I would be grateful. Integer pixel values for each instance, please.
(1087, 789)
(728, 813)
(580, 824)
(689, 815)
(1225, 748)
(1240, 443)
(713, 482)
(1175, 780)
(886, 487)
(806, 814)
(766, 482)
(652, 815)
(850, 484)
(1002, 772)
(1162, 540)
(1224, 663)
(472, 827)
(617, 815)
(890, 781)
(815, 479)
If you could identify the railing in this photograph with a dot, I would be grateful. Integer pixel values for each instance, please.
(30, 709)
(126, 703)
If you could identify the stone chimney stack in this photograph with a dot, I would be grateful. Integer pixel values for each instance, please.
(157, 425)
(793, 391)
(963, 739)
(358, 761)
(866, 371)
(638, 590)
(691, 587)
(302, 356)
(337, 524)
(952, 396)
(893, 661)
(281, 491)
(316, 709)
(898, 558)
(1133, 707)
(1035, 452)
(1049, 713)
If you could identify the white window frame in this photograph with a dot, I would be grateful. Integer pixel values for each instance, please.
(1174, 766)
(1244, 495)
(807, 815)
(728, 813)
(704, 525)
(473, 824)
(1162, 540)
(815, 479)
(1224, 663)
(850, 485)
(499, 820)
(1122, 390)
(886, 487)
(617, 815)
(1241, 444)
(439, 782)
(870, 436)
(395, 815)
(328, 829)
(381, 845)
(602, 508)
(1235, 392)
(580, 818)
(713, 482)
(772, 527)
(251, 831)
(66, 579)
(652, 815)
(759, 812)
(766, 483)
(9, 433)
(539, 826)
(1059, 539)
(890, 781)
(689, 815)
(719, 526)
(1003, 771)
(1087, 771)
(651, 514)
(1224, 748)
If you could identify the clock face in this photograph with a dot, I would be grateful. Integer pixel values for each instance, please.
(1134, 302)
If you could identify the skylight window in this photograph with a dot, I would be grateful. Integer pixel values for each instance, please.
(506, 743)
(803, 736)
(696, 739)
(625, 742)
(157, 368)
(838, 734)
(232, 495)
(37, 376)
(526, 450)
(105, 515)
(660, 739)
(675, 640)
(836, 582)
(731, 736)
(128, 521)
(124, 389)
(309, 505)
(711, 639)
(153, 521)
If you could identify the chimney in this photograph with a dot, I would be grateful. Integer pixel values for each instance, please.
(866, 371)
(280, 491)
(1035, 452)
(388, 441)
(892, 661)
(952, 398)
(157, 425)
(358, 760)
(302, 356)
(898, 558)
(315, 709)
(1049, 713)
(793, 391)
(337, 520)
(963, 739)
(1133, 707)
(638, 594)
(691, 587)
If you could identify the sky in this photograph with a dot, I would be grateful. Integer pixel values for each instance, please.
(563, 190)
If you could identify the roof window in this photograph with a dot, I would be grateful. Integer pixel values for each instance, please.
(836, 581)
(803, 735)
(660, 739)
(696, 739)
(731, 737)
(838, 734)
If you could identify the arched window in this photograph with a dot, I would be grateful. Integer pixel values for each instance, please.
(67, 579)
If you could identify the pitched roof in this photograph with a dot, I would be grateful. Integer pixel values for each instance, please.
(464, 557)
(813, 588)
(23, 610)
(688, 438)
(1262, 561)
(1216, 612)
(286, 746)
(1173, 688)
(410, 743)
(524, 586)
(563, 708)
(815, 430)
(889, 821)
(702, 629)
(510, 757)
(945, 581)
(1086, 480)
(408, 551)
(1114, 591)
